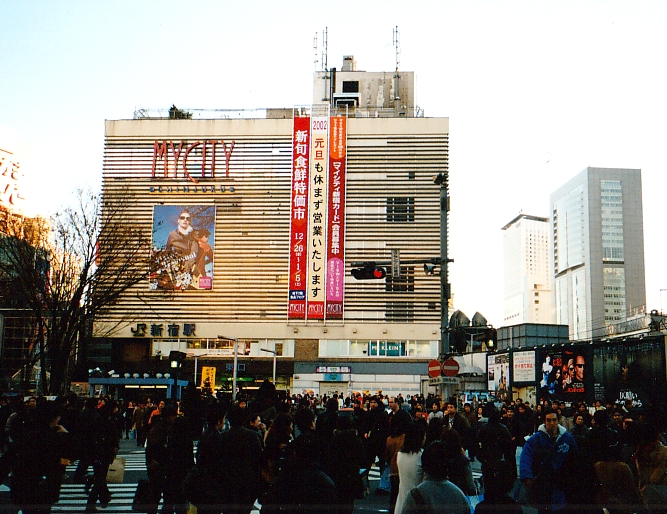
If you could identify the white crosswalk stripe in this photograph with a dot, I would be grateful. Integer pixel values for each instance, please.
(73, 498)
(133, 462)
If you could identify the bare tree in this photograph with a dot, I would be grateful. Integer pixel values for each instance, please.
(65, 280)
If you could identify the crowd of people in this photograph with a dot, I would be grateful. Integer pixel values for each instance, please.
(308, 453)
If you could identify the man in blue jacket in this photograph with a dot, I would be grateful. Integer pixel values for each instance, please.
(543, 456)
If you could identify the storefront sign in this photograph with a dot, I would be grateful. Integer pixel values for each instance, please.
(202, 164)
(163, 330)
(333, 369)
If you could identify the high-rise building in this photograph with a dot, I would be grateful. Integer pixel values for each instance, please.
(527, 271)
(598, 250)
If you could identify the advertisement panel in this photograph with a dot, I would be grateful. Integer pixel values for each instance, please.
(317, 214)
(335, 271)
(298, 257)
(182, 254)
(632, 372)
(523, 367)
(564, 374)
(501, 377)
(491, 372)
(207, 377)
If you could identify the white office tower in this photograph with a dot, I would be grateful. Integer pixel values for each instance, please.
(527, 271)
(598, 250)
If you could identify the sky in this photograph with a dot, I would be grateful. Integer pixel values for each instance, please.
(535, 92)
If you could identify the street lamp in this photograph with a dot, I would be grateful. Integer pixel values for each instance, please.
(275, 353)
(176, 359)
(236, 364)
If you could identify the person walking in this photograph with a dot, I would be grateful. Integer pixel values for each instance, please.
(543, 456)
(409, 462)
(241, 454)
(436, 494)
(169, 458)
(105, 448)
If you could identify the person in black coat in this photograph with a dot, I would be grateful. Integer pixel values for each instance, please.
(301, 487)
(169, 458)
(209, 457)
(375, 433)
(344, 461)
(41, 456)
(105, 448)
(241, 454)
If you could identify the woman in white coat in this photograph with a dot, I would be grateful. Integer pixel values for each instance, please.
(409, 461)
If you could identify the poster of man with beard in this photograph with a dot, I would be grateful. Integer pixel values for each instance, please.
(564, 374)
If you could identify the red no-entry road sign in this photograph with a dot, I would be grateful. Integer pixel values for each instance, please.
(450, 368)
(433, 368)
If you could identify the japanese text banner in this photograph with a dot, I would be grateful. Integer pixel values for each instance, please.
(335, 275)
(298, 251)
(319, 163)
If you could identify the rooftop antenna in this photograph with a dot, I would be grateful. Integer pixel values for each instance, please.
(397, 46)
(397, 96)
(316, 48)
(325, 48)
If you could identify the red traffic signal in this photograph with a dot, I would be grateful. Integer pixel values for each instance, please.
(369, 272)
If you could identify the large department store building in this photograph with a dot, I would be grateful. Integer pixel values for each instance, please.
(256, 220)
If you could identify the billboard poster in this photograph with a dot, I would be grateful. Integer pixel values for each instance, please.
(632, 371)
(317, 214)
(491, 372)
(335, 271)
(298, 256)
(182, 251)
(564, 374)
(501, 376)
(523, 366)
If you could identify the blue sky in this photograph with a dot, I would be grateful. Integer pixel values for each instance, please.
(535, 92)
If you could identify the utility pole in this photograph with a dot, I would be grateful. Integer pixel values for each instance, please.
(441, 179)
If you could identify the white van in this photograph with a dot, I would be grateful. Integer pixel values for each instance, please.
(477, 398)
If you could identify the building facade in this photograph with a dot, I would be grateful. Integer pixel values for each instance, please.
(235, 181)
(527, 275)
(598, 250)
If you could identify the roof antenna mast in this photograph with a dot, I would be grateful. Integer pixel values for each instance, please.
(397, 46)
(315, 46)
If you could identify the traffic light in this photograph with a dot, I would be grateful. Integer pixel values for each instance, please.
(369, 272)
(458, 341)
(490, 337)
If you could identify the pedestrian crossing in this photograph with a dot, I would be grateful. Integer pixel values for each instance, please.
(73, 497)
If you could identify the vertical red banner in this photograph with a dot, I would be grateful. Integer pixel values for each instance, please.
(298, 250)
(317, 213)
(335, 276)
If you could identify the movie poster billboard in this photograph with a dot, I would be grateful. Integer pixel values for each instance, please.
(564, 373)
(631, 372)
(499, 372)
(182, 249)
